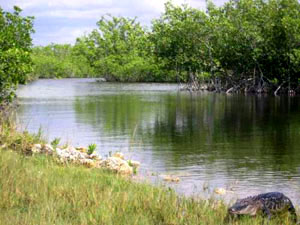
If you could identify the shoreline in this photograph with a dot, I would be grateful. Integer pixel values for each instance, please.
(80, 194)
(199, 87)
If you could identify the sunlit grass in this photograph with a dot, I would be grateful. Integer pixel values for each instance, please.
(38, 190)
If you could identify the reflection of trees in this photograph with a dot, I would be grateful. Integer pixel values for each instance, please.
(121, 113)
(256, 133)
(251, 132)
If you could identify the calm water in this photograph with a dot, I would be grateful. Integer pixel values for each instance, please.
(248, 144)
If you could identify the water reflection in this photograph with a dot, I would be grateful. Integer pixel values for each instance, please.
(249, 143)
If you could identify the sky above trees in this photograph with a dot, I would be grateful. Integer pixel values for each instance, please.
(61, 21)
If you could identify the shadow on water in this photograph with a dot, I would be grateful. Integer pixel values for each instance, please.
(252, 141)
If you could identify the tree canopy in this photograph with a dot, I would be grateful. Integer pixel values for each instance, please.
(245, 45)
(15, 49)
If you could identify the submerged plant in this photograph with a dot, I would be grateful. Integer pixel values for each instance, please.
(91, 148)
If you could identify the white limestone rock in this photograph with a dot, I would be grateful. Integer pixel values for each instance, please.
(81, 149)
(48, 149)
(36, 148)
(61, 153)
(118, 155)
(220, 191)
(89, 163)
(118, 165)
(95, 157)
(70, 148)
(170, 178)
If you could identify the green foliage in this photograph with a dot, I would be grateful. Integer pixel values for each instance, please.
(257, 36)
(55, 142)
(241, 41)
(133, 167)
(15, 48)
(117, 50)
(58, 61)
(14, 140)
(180, 38)
(91, 148)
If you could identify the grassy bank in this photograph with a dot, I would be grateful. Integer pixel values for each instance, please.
(36, 190)
(39, 190)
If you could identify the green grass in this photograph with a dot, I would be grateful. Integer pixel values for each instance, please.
(38, 190)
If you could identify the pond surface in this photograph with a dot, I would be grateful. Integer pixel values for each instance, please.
(248, 144)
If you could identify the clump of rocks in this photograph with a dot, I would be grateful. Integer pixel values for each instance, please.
(170, 178)
(79, 155)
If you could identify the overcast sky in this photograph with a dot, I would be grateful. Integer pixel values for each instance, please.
(61, 21)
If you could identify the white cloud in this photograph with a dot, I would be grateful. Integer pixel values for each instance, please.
(79, 3)
(63, 35)
(72, 14)
(63, 20)
(22, 4)
(27, 4)
(197, 4)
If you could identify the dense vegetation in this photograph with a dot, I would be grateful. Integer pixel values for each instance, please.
(246, 45)
(59, 61)
(185, 44)
(15, 48)
(249, 45)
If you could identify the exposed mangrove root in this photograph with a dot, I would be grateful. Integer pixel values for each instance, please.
(255, 85)
(276, 91)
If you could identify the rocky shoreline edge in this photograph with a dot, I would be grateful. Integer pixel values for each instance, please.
(80, 156)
